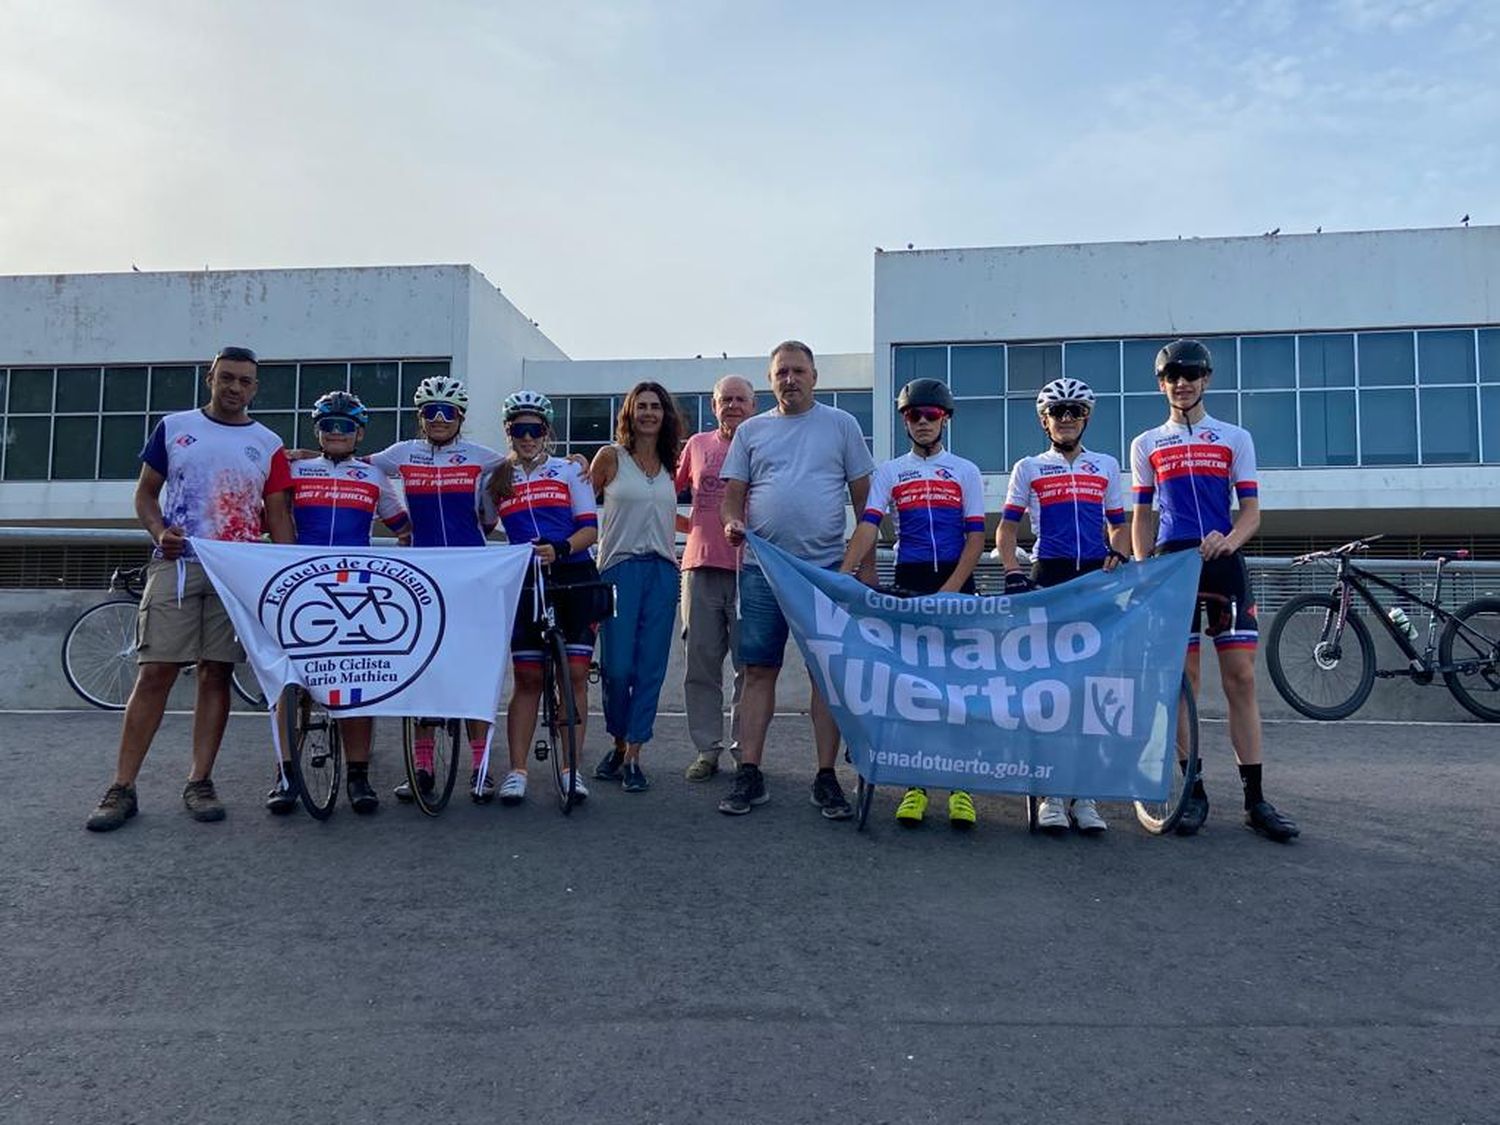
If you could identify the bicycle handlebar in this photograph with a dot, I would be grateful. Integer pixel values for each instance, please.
(1338, 552)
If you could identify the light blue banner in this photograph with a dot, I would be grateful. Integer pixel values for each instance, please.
(1070, 691)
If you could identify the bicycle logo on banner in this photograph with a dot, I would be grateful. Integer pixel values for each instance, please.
(360, 627)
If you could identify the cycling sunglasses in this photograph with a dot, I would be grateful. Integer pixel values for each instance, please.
(1182, 375)
(336, 425)
(925, 413)
(1067, 410)
(439, 412)
(523, 430)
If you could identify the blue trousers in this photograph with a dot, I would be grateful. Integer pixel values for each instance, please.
(636, 643)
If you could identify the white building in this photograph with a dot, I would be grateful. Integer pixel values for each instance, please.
(1367, 365)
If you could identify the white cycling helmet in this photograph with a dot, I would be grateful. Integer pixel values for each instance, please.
(528, 402)
(1064, 390)
(441, 388)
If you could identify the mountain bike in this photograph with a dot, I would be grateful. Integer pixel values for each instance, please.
(593, 602)
(1322, 659)
(99, 649)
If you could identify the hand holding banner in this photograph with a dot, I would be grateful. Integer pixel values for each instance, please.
(1068, 691)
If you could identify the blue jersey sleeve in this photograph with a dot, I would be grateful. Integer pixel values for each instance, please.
(155, 451)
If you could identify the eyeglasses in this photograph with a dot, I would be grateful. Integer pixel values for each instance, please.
(1182, 375)
(242, 354)
(1067, 410)
(439, 412)
(925, 414)
(523, 431)
(336, 425)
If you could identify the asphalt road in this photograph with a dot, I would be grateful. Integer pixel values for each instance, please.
(651, 960)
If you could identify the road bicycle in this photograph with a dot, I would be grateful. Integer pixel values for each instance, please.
(315, 748)
(558, 742)
(1322, 659)
(99, 649)
(448, 742)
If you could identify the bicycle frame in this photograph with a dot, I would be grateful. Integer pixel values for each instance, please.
(1422, 666)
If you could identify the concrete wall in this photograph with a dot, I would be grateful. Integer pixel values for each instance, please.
(33, 623)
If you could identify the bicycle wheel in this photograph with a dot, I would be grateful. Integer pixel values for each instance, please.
(246, 686)
(447, 744)
(1324, 671)
(1471, 639)
(562, 721)
(1160, 817)
(98, 654)
(317, 750)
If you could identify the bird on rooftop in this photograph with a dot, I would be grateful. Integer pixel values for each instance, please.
(1464, 220)
(909, 246)
(1318, 231)
(723, 355)
(1274, 233)
(134, 268)
(879, 250)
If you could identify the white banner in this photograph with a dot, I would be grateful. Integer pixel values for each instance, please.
(372, 631)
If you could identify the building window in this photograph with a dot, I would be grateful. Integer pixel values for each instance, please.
(90, 423)
(1315, 400)
(1386, 359)
(1266, 362)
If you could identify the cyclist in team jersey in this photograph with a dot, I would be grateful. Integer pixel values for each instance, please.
(443, 478)
(1191, 467)
(334, 499)
(938, 502)
(548, 502)
(1077, 510)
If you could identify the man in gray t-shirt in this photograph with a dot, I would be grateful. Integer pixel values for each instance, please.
(792, 469)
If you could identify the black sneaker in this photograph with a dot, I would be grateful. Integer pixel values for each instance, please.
(117, 806)
(611, 767)
(282, 798)
(828, 795)
(1263, 817)
(747, 789)
(484, 793)
(362, 798)
(424, 779)
(1194, 813)
(202, 801)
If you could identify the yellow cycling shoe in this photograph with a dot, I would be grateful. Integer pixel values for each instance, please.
(912, 808)
(961, 809)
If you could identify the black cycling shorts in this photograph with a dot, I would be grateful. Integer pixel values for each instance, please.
(924, 578)
(577, 628)
(1054, 572)
(1228, 577)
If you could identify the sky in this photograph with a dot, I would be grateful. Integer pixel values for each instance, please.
(653, 179)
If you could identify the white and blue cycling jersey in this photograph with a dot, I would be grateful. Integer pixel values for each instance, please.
(1069, 503)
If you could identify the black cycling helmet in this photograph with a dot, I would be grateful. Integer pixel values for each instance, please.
(925, 392)
(1184, 355)
(341, 404)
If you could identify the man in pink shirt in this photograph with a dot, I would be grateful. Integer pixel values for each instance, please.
(709, 571)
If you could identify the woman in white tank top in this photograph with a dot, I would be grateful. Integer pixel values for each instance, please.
(637, 554)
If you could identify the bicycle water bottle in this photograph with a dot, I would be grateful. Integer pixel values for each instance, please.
(1401, 621)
